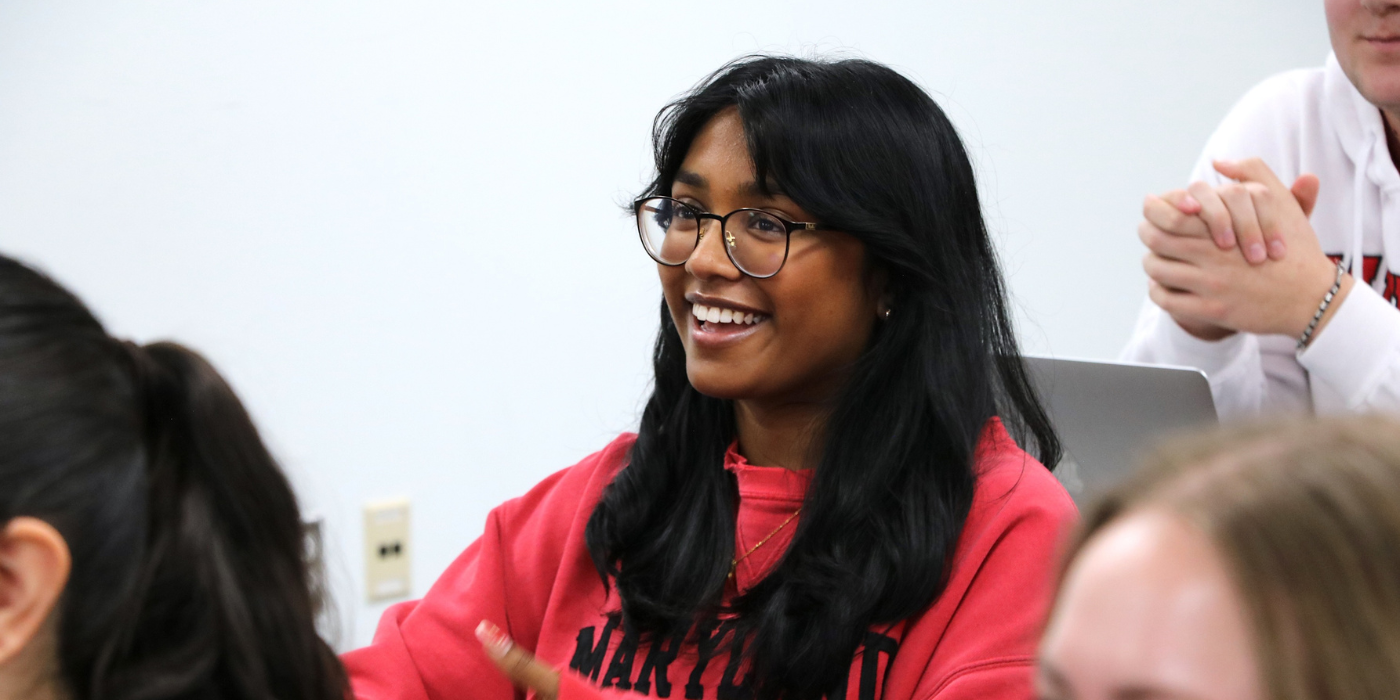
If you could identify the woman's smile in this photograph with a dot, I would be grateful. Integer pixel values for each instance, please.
(717, 323)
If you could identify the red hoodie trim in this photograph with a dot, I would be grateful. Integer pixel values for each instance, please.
(531, 574)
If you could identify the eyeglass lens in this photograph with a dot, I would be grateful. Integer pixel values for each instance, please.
(755, 241)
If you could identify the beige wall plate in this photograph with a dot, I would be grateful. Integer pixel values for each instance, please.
(387, 550)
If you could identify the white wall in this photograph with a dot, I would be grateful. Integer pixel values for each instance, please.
(394, 225)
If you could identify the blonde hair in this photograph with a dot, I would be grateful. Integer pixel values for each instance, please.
(1306, 516)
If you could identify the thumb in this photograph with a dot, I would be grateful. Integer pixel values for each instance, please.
(520, 666)
(1305, 191)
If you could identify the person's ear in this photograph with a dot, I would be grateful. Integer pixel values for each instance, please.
(885, 308)
(34, 567)
(878, 288)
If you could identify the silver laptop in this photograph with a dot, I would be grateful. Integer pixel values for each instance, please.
(1107, 413)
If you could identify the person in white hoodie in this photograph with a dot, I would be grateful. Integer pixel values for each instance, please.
(1238, 272)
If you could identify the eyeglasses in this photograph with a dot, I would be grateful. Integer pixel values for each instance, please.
(755, 240)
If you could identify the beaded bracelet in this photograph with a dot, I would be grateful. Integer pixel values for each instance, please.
(1322, 308)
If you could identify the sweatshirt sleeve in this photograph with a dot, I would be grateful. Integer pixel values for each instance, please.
(427, 649)
(423, 648)
(1000, 591)
(1248, 374)
(1358, 353)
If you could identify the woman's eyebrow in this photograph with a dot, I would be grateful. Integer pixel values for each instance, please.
(693, 179)
(769, 190)
(749, 189)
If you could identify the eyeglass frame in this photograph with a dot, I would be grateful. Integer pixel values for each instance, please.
(700, 216)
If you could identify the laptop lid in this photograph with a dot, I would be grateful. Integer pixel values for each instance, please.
(1107, 413)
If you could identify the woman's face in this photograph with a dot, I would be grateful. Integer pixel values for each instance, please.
(1148, 611)
(809, 322)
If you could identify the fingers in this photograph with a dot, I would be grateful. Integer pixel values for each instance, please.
(1183, 201)
(1182, 305)
(1240, 202)
(1305, 191)
(1249, 170)
(1173, 274)
(1215, 214)
(1167, 217)
(1256, 179)
(520, 666)
(1274, 210)
(1250, 214)
(1177, 303)
(1175, 247)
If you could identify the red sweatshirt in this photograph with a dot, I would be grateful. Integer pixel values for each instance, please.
(530, 574)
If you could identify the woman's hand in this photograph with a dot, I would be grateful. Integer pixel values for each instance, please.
(1209, 287)
(520, 666)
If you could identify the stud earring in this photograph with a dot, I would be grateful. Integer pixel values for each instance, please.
(888, 312)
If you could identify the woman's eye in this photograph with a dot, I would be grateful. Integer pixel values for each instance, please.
(685, 213)
(764, 227)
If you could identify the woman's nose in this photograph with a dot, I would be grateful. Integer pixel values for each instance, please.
(709, 259)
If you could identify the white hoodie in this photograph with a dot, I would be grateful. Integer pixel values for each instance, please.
(1307, 121)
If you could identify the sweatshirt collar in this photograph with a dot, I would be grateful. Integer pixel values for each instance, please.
(1359, 127)
(777, 483)
(766, 483)
(1360, 131)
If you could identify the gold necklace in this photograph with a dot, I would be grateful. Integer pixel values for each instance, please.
(734, 563)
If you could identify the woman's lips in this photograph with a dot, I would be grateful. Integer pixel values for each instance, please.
(727, 327)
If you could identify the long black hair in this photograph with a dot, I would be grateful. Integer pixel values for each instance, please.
(188, 578)
(865, 151)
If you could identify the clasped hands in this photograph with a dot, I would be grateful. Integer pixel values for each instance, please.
(1241, 257)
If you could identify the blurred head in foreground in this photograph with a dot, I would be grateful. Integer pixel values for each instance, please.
(1261, 562)
(149, 545)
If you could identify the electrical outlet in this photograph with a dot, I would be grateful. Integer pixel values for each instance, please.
(387, 551)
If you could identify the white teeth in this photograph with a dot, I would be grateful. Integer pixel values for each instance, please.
(714, 314)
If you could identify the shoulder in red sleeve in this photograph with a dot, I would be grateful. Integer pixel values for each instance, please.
(532, 546)
(979, 638)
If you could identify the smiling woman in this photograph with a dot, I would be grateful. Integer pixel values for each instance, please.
(833, 312)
